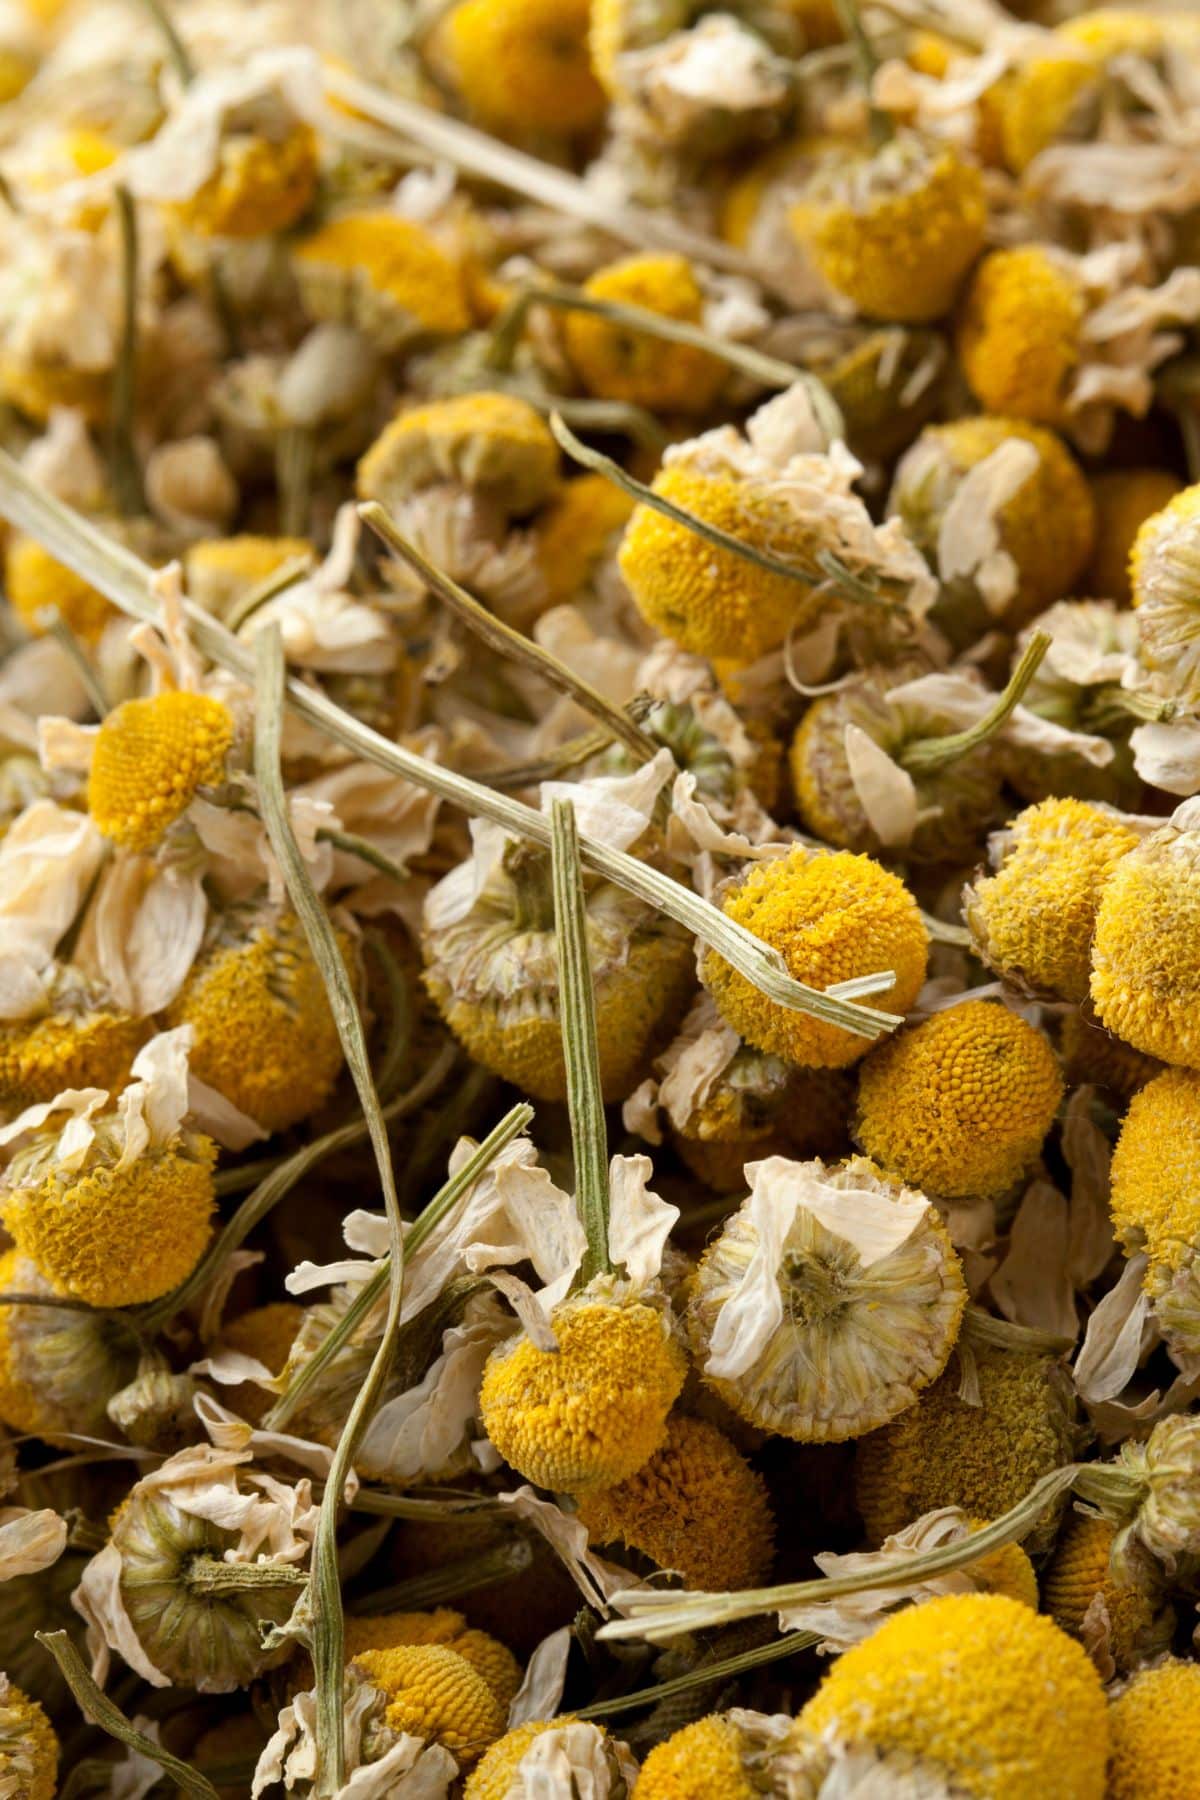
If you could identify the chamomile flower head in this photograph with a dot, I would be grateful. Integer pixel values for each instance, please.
(1093, 645)
(827, 1302)
(696, 1506)
(491, 968)
(984, 1693)
(703, 1761)
(113, 1203)
(1020, 333)
(495, 445)
(489, 1658)
(758, 1106)
(946, 1451)
(590, 1413)
(265, 178)
(386, 275)
(434, 1694)
(961, 1103)
(522, 67)
(975, 496)
(833, 786)
(1155, 1199)
(616, 362)
(263, 1033)
(29, 1748)
(1080, 1592)
(59, 1367)
(1056, 95)
(267, 1334)
(1145, 955)
(894, 232)
(1154, 1725)
(1032, 919)
(574, 533)
(1162, 571)
(76, 1038)
(33, 580)
(151, 757)
(513, 1767)
(831, 918)
(222, 571)
(1125, 499)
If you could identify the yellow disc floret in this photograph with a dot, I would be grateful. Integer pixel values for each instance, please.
(265, 1037)
(1056, 94)
(33, 579)
(42, 1057)
(831, 918)
(592, 1412)
(28, 1747)
(1125, 499)
(1078, 1583)
(897, 232)
(701, 1762)
(961, 1103)
(1155, 1727)
(985, 1692)
(617, 362)
(1162, 574)
(1032, 921)
(384, 274)
(259, 186)
(1155, 1198)
(433, 1693)
(1019, 337)
(489, 1658)
(150, 758)
(522, 67)
(696, 1506)
(574, 531)
(1146, 951)
(494, 444)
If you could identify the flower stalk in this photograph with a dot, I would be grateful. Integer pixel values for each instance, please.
(924, 756)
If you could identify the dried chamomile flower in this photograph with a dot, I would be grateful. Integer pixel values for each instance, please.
(696, 1506)
(521, 67)
(961, 1103)
(832, 918)
(33, 579)
(161, 1592)
(262, 174)
(699, 93)
(1080, 686)
(888, 385)
(1033, 918)
(387, 276)
(975, 496)
(575, 533)
(616, 362)
(1145, 974)
(74, 1037)
(489, 1658)
(491, 968)
(265, 1334)
(591, 1412)
(543, 1751)
(157, 1408)
(848, 795)
(1125, 499)
(263, 1034)
(827, 1302)
(434, 1694)
(114, 1204)
(29, 1748)
(1020, 333)
(985, 1694)
(150, 759)
(894, 231)
(1162, 573)
(1154, 1204)
(59, 1366)
(1129, 1621)
(495, 445)
(1151, 1495)
(738, 1755)
(222, 571)
(1154, 1725)
(982, 1456)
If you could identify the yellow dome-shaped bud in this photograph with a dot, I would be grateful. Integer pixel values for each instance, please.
(1057, 94)
(28, 1747)
(260, 185)
(708, 599)
(1020, 334)
(222, 571)
(1155, 1199)
(1044, 565)
(592, 1412)
(384, 274)
(616, 362)
(59, 1366)
(894, 233)
(433, 1693)
(266, 1333)
(983, 1692)
(150, 758)
(610, 1769)
(1146, 951)
(81, 1041)
(702, 1762)
(1125, 499)
(696, 1506)
(946, 1452)
(33, 580)
(575, 530)
(842, 1340)
(1032, 920)
(961, 1103)
(1133, 1621)
(1155, 1727)
(494, 444)
(489, 1658)
(831, 918)
(1163, 569)
(264, 1035)
(521, 67)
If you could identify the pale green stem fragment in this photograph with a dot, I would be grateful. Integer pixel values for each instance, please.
(924, 756)
(581, 1050)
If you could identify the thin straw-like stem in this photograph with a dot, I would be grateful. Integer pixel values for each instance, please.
(581, 1050)
(925, 755)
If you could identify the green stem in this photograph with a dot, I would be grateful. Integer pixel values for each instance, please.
(295, 457)
(209, 1575)
(404, 1506)
(720, 1669)
(506, 641)
(450, 1580)
(924, 756)
(126, 472)
(581, 1050)
(866, 63)
(177, 50)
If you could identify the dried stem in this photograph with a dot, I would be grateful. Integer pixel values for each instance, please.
(126, 471)
(926, 755)
(581, 1050)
